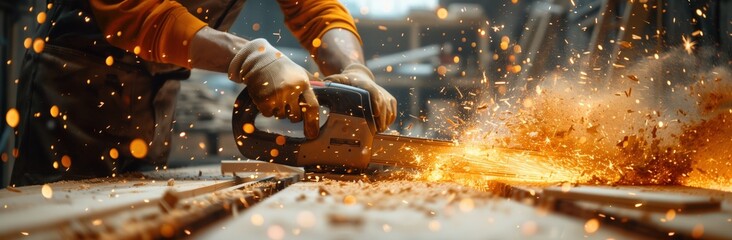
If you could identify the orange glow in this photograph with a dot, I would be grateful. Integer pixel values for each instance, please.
(66, 161)
(47, 191)
(442, 70)
(27, 43)
(113, 153)
(54, 111)
(12, 117)
(316, 42)
(138, 148)
(592, 225)
(248, 128)
(688, 44)
(349, 200)
(442, 13)
(280, 140)
(41, 18)
(38, 45)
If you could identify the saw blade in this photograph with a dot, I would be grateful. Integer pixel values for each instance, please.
(423, 153)
(404, 151)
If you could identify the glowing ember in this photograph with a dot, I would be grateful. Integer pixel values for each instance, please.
(38, 45)
(316, 42)
(442, 13)
(670, 215)
(41, 18)
(66, 161)
(54, 111)
(27, 43)
(46, 191)
(138, 148)
(688, 44)
(280, 140)
(248, 128)
(698, 231)
(349, 200)
(592, 225)
(12, 117)
(113, 153)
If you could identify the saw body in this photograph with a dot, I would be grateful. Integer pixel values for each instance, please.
(347, 143)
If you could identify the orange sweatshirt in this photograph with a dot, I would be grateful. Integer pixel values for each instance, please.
(161, 30)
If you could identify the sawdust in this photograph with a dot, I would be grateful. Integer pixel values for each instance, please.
(711, 141)
(428, 198)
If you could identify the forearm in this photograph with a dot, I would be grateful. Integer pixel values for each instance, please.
(213, 50)
(339, 48)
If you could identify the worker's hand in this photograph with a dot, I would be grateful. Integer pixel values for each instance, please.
(382, 102)
(277, 86)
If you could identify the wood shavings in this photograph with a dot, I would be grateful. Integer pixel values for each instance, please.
(12, 189)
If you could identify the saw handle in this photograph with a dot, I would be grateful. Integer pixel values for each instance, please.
(254, 143)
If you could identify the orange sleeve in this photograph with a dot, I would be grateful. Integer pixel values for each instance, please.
(310, 19)
(156, 30)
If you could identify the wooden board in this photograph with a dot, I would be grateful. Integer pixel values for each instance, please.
(391, 209)
(151, 205)
(398, 210)
(657, 211)
(628, 197)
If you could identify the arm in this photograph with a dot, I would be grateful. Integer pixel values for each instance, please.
(164, 31)
(325, 28)
(339, 49)
(157, 31)
(328, 23)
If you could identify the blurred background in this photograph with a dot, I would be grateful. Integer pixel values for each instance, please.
(444, 60)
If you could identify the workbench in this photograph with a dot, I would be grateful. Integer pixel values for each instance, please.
(201, 202)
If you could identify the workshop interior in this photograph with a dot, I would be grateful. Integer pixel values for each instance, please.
(513, 119)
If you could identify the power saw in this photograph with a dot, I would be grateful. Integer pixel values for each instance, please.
(347, 143)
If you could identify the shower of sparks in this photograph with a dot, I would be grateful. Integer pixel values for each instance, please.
(688, 44)
(476, 166)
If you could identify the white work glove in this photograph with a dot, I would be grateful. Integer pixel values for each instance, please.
(277, 86)
(384, 105)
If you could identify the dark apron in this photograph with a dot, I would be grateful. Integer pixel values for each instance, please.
(102, 109)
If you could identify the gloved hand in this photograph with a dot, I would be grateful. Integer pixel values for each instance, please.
(382, 102)
(276, 85)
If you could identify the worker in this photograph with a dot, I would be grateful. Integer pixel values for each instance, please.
(98, 86)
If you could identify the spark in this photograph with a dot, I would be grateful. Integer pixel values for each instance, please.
(278, 35)
(688, 44)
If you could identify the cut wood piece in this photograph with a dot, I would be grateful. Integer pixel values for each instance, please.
(315, 177)
(255, 166)
(649, 201)
(661, 224)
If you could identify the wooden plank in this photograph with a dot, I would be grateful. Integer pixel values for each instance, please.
(256, 166)
(398, 210)
(661, 211)
(132, 207)
(624, 197)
